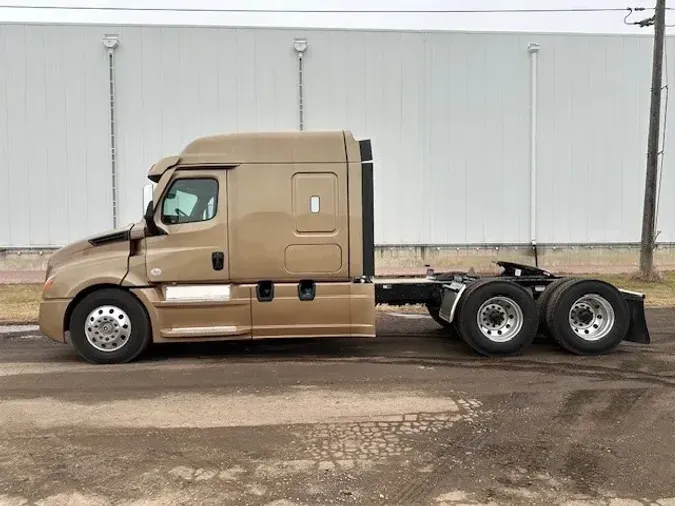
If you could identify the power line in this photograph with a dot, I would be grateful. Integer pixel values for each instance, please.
(331, 11)
(642, 23)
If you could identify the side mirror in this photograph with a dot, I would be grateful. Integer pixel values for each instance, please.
(148, 189)
(149, 205)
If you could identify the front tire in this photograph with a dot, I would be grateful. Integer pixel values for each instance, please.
(110, 326)
(497, 318)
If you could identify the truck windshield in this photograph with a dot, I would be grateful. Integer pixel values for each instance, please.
(190, 200)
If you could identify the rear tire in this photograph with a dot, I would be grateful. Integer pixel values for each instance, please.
(543, 302)
(448, 327)
(110, 326)
(588, 317)
(433, 312)
(497, 318)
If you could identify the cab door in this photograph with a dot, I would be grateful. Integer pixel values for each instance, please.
(189, 261)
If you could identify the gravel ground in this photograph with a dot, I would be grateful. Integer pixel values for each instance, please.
(410, 417)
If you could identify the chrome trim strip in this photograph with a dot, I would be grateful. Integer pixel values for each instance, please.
(225, 330)
(454, 306)
(639, 294)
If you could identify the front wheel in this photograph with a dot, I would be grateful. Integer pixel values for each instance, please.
(110, 326)
(497, 318)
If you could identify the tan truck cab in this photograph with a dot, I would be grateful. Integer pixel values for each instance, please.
(248, 236)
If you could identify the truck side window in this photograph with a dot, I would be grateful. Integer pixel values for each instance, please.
(190, 200)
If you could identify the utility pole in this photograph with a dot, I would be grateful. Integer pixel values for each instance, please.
(649, 211)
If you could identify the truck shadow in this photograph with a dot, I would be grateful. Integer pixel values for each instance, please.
(434, 345)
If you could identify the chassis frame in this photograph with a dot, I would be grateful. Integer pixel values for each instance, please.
(444, 290)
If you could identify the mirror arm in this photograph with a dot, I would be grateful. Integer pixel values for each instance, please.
(150, 224)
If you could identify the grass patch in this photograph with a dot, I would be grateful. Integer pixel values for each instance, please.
(659, 293)
(19, 303)
(409, 309)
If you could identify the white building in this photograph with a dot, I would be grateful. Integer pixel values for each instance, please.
(449, 114)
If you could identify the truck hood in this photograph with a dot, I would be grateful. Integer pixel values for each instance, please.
(94, 244)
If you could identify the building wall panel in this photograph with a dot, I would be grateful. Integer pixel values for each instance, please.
(428, 102)
(5, 174)
(594, 113)
(448, 113)
(178, 84)
(666, 203)
(54, 154)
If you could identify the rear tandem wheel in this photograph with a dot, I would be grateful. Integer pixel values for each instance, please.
(497, 317)
(448, 327)
(543, 303)
(587, 316)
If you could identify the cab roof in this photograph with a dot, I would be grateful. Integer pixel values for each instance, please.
(259, 147)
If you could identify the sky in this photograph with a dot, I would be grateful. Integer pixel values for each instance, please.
(603, 22)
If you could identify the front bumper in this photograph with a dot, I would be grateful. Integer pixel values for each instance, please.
(52, 318)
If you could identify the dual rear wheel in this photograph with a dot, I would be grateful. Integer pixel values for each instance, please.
(501, 318)
(584, 316)
(496, 317)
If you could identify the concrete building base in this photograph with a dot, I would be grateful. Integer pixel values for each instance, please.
(559, 259)
(28, 266)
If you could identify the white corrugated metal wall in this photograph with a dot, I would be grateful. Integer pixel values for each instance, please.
(54, 155)
(449, 115)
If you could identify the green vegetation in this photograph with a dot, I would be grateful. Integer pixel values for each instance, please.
(659, 294)
(19, 303)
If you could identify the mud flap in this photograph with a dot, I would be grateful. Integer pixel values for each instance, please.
(637, 330)
(451, 294)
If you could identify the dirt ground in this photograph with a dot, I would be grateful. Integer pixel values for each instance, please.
(411, 417)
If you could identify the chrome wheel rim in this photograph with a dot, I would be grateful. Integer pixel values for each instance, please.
(500, 319)
(107, 328)
(592, 317)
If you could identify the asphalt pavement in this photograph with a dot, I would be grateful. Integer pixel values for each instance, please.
(410, 417)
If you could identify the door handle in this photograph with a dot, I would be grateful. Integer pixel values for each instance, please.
(218, 260)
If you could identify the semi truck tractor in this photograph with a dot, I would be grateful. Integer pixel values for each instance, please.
(271, 235)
